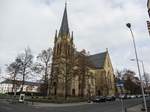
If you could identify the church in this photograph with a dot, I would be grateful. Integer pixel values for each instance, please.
(78, 73)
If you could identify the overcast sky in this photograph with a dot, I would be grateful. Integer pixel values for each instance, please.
(97, 25)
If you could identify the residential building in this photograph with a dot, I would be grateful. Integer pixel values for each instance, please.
(6, 86)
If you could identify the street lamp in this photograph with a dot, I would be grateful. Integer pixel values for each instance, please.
(144, 73)
(129, 26)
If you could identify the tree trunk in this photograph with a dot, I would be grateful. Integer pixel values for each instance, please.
(83, 82)
(66, 92)
(14, 82)
(66, 82)
(23, 81)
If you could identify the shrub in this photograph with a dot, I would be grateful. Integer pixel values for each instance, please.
(57, 100)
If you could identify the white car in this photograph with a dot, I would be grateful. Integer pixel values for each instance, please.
(133, 96)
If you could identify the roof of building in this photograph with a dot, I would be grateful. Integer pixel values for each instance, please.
(8, 81)
(64, 29)
(98, 60)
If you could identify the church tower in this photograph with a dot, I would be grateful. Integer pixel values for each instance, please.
(63, 56)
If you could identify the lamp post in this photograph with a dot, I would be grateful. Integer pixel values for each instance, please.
(144, 73)
(137, 61)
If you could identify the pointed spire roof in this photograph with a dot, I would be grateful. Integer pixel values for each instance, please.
(64, 29)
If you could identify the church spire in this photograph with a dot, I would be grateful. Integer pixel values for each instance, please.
(64, 29)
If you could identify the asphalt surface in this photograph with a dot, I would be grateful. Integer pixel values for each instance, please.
(115, 106)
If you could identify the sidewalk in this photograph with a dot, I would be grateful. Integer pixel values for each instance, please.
(58, 105)
(38, 104)
(136, 108)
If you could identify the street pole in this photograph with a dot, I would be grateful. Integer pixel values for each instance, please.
(144, 73)
(136, 55)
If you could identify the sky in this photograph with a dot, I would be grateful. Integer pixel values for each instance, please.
(97, 25)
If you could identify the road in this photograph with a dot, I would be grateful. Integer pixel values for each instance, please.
(102, 107)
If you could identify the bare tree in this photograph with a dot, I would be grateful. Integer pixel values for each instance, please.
(67, 76)
(13, 70)
(146, 78)
(0, 73)
(119, 74)
(83, 64)
(43, 67)
(26, 61)
(83, 68)
(0, 70)
(131, 83)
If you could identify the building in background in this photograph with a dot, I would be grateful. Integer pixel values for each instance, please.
(29, 87)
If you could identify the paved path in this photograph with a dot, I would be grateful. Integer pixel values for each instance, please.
(136, 108)
(58, 105)
(80, 107)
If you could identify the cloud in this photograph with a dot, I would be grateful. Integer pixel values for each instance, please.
(97, 25)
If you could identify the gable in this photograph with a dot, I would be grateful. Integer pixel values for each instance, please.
(98, 60)
(107, 63)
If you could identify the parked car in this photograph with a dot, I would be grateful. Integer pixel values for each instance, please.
(133, 96)
(147, 95)
(128, 96)
(98, 99)
(110, 98)
(122, 96)
(139, 96)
